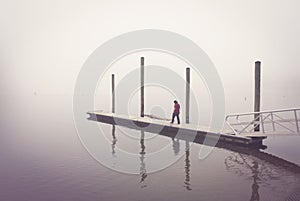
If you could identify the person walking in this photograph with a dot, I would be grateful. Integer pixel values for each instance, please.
(176, 112)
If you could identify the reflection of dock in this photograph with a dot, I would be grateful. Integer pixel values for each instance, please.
(263, 168)
(165, 128)
(171, 130)
(256, 165)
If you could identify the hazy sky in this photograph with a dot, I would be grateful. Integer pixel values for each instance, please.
(45, 43)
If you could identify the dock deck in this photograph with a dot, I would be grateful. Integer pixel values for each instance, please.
(199, 133)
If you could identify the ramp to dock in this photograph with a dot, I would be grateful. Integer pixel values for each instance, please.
(195, 132)
(265, 123)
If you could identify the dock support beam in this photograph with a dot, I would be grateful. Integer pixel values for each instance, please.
(113, 93)
(142, 87)
(257, 95)
(187, 96)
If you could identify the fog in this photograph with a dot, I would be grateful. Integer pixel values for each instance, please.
(45, 43)
(44, 144)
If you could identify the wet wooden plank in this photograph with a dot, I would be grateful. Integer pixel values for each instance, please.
(166, 128)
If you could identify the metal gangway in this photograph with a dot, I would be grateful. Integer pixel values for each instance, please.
(280, 122)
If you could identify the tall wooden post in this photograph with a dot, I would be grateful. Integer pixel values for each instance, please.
(142, 86)
(257, 95)
(187, 96)
(113, 93)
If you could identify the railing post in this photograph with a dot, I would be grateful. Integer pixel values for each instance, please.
(296, 119)
(262, 123)
(272, 119)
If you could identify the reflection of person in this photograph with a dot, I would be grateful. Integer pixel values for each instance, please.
(176, 146)
(176, 112)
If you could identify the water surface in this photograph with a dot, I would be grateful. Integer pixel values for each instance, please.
(43, 159)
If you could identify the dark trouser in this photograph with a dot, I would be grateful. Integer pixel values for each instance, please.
(175, 115)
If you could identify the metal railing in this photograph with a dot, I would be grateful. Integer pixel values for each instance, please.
(285, 121)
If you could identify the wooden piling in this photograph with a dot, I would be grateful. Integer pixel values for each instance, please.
(187, 96)
(257, 95)
(142, 87)
(113, 93)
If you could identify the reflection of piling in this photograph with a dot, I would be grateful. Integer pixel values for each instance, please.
(114, 141)
(142, 86)
(187, 166)
(255, 186)
(257, 95)
(142, 142)
(143, 171)
(113, 93)
(187, 96)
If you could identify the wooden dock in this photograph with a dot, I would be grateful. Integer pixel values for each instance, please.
(194, 132)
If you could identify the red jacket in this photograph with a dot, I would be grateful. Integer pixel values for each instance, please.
(176, 108)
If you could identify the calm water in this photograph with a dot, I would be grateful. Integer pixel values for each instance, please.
(43, 159)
